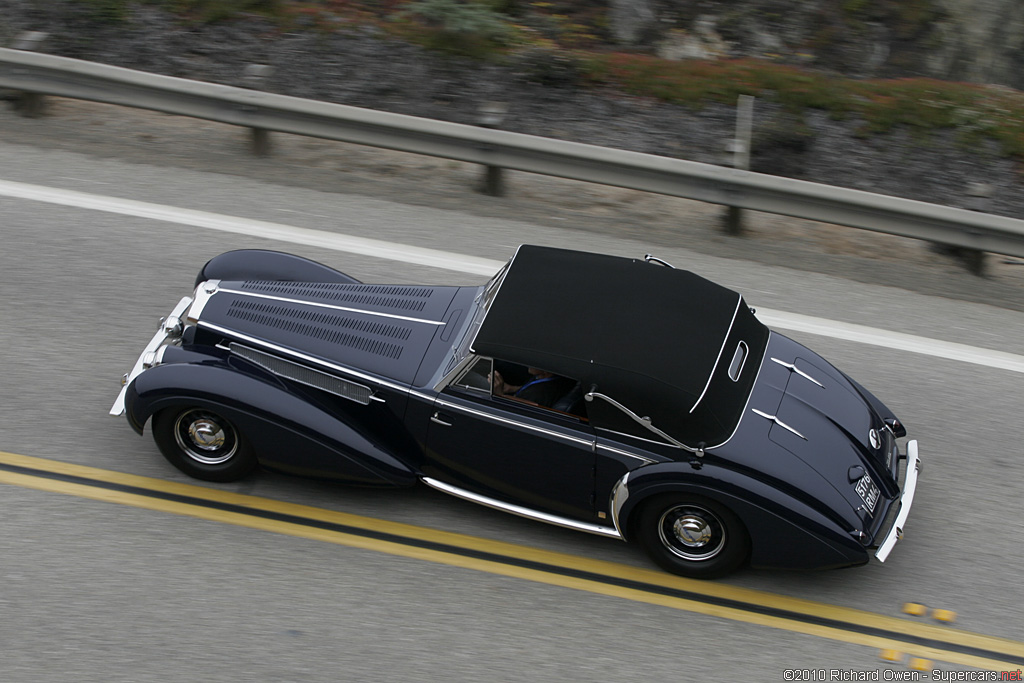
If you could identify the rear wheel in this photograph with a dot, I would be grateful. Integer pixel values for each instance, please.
(202, 444)
(692, 536)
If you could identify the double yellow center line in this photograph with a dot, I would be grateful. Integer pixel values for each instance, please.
(916, 638)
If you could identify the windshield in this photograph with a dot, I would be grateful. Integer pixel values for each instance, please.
(486, 296)
(483, 300)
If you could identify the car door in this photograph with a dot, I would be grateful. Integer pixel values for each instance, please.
(519, 454)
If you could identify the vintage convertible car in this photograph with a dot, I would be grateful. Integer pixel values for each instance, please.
(620, 397)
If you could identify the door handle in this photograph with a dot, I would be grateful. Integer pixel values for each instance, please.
(436, 419)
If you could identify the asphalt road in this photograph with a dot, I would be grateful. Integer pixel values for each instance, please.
(95, 591)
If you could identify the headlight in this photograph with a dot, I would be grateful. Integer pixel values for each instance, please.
(172, 326)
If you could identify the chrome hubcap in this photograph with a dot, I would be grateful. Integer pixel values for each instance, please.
(205, 437)
(691, 532)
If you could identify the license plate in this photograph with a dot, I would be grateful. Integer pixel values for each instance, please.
(868, 492)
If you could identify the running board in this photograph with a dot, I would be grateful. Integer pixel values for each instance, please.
(521, 511)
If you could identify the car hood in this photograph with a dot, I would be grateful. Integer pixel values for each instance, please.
(819, 432)
(381, 329)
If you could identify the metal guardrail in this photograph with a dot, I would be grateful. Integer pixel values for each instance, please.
(51, 75)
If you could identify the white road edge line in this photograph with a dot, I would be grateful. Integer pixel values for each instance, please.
(480, 266)
(891, 340)
(253, 228)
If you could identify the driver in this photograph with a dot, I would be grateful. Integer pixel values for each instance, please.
(542, 387)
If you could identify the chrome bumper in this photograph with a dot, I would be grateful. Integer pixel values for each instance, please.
(906, 500)
(170, 327)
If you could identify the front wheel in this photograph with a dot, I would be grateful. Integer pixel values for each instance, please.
(202, 444)
(692, 536)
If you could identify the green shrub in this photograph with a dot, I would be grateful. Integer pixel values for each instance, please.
(459, 26)
(921, 104)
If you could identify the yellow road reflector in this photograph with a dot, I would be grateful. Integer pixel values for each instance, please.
(945, 615)
(918, 664)
(891, 655)
(914, 609)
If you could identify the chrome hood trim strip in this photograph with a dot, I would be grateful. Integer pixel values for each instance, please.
(793, 368)
(772, 418)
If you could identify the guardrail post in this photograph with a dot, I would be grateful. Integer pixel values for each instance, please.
(256, 76)
(491, 116)
(973, 260)
(738, 150)
(30, 104)
(980, 194)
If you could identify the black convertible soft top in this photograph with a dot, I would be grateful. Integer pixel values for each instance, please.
(659, 340)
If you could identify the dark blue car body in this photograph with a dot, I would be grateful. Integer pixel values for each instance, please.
(688, 426)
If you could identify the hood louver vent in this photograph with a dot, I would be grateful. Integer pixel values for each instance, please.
(376, 330)
(337, 329)
(382, 297)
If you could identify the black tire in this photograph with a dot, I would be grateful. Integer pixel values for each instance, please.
(202, 444)
(692, 536)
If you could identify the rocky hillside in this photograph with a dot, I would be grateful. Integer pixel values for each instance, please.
(364, 66)
(981, 41)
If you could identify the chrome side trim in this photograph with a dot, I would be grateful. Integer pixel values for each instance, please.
(793, 368)
(721, 350)
(642, 458)
(620, 493)
(161, 336)
(504, 420)
(304, 374)
(777, 421)
(906, 500)
(306, 358)
(334, 307)
(522, 511)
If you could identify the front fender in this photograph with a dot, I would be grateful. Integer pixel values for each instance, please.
(287, 431)
(264, 264)
(784, 532)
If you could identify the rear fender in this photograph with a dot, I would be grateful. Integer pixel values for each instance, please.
(287, 431)
(263, 264)
(784, 532)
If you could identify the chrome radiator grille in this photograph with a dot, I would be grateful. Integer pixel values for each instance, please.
(304, 375)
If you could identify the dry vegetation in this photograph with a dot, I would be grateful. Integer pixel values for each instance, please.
(566, 43)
